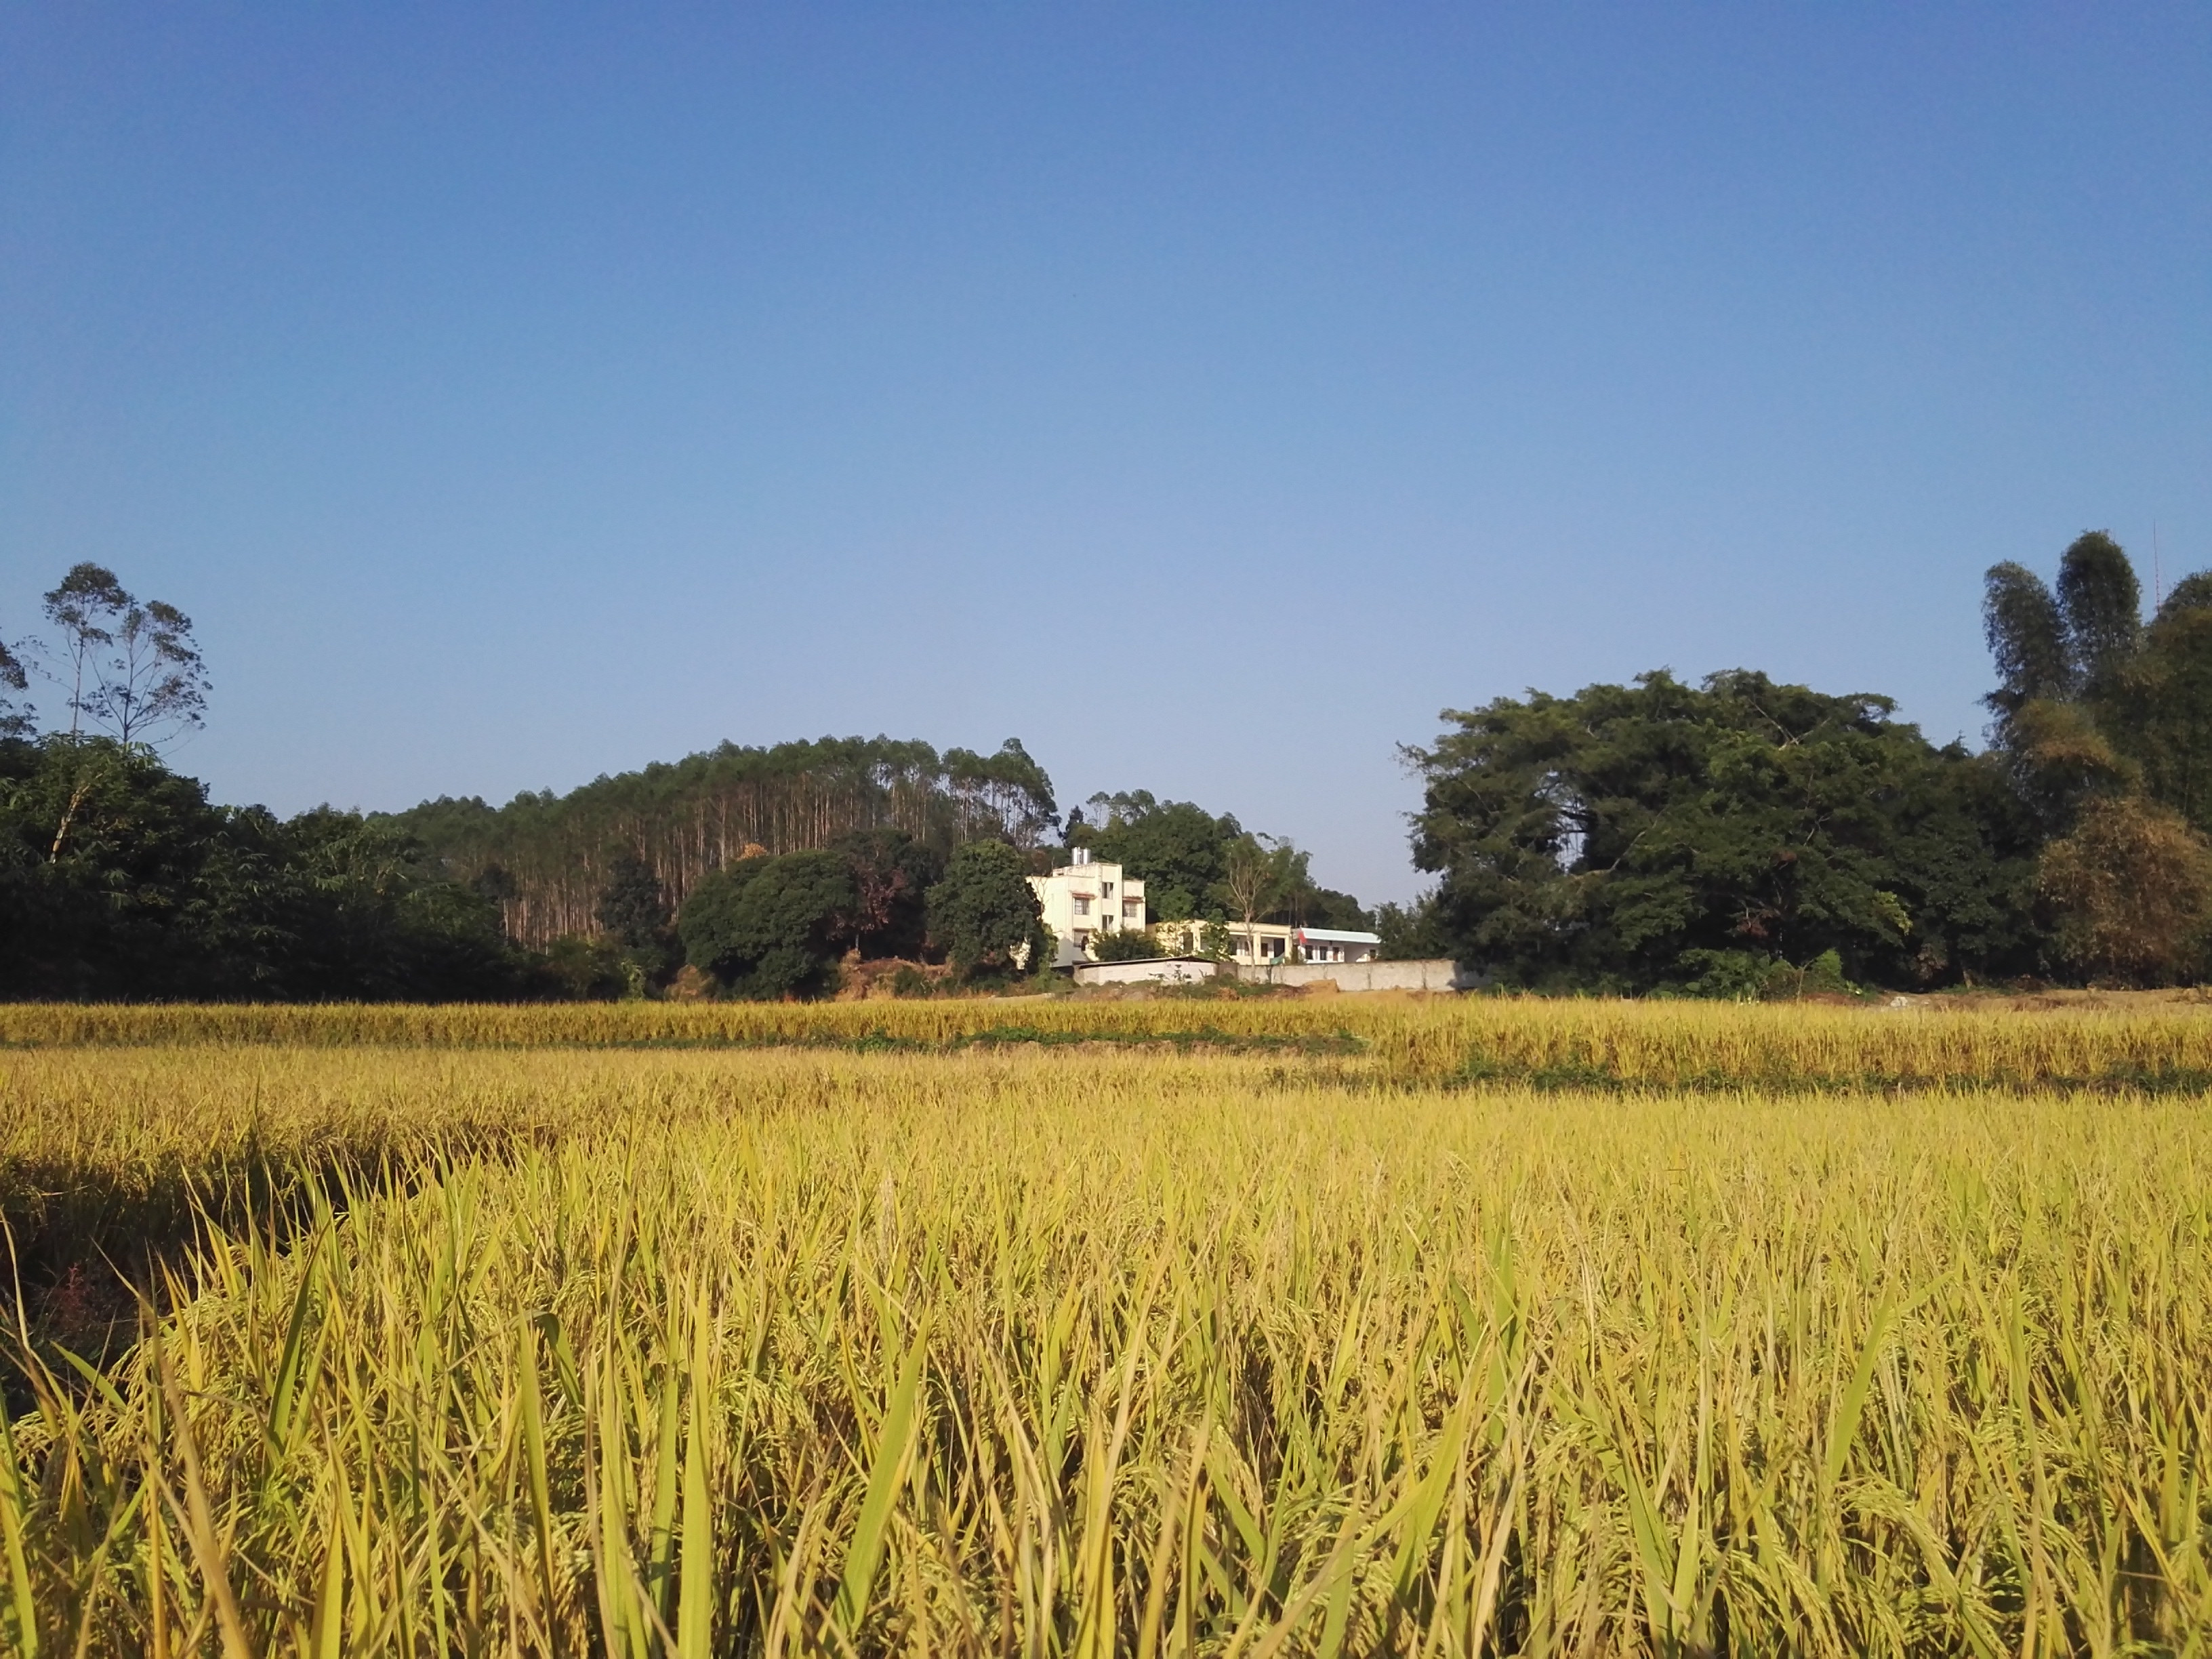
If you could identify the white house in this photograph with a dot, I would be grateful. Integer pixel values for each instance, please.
(1086, 898)
(1337, 944)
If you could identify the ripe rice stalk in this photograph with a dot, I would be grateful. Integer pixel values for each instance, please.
(1031, 1347)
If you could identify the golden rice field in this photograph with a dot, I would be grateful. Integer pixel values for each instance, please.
(1300, 1327)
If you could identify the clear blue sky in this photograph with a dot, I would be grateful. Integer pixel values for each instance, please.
(1207, 394)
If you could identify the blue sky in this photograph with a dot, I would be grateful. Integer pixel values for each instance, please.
(1207, 394)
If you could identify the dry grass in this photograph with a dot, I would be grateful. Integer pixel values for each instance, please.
(1077, 1349)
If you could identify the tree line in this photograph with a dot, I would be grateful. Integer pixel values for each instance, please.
(1731, 837)
(119, 879)
(547, 858)
(772, 922)
(756, 869)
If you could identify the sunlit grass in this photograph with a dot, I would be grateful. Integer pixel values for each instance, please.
(1083, 1349)
(1558, 1043)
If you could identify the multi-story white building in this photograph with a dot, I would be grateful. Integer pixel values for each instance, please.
(1086, 898)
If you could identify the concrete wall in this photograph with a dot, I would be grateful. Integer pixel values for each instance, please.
(1150, 971)
(1435, 975)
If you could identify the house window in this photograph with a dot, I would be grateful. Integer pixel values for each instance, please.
(1083, 906)
(1131, 906)
(1106, 888)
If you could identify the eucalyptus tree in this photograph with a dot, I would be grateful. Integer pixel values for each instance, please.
(691, 818)
(131, 667)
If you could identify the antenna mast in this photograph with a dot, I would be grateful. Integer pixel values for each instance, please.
(2157, 571)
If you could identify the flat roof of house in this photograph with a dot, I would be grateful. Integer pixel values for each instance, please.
(1339, 936)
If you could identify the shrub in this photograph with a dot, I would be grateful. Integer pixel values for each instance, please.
(1130, 945)
(2132, 890)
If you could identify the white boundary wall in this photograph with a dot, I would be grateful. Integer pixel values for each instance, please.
(1426, 976)
(1150, 970)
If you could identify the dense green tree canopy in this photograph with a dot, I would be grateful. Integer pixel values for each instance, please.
(118, 879)
(108, 857)
(1324, 907)
(690, 817)
(2162, 718)
(2092, 704)
(892, 874)
(633, 906)
(1126, 944)
(2106, 726)
(1183, 854)
(771, 925)
(1626, 836)
(1177, 849)
(2102, 604)
(984, 915)
(18, 717)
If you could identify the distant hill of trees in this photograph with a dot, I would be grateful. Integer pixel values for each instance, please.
(548, 859)
(754, 869)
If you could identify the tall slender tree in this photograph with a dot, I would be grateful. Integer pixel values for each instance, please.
(83, 605)
(1253, 876)
(154, 684)
(2068, 676)
(132, 667)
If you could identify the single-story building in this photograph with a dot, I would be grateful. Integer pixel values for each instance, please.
(1337, 944)
(1265, 942)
